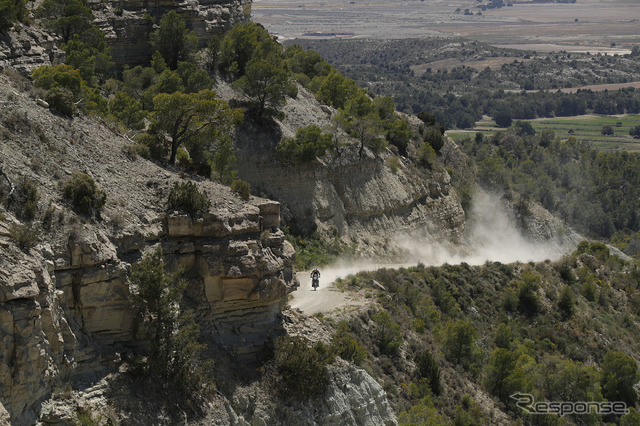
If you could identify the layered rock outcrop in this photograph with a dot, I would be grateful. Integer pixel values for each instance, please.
(27, 49)
(352, 397)
(128, 24)
(64, 303)
(362, 200)
(57, 313)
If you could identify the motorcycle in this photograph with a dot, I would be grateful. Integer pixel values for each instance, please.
(315, 283)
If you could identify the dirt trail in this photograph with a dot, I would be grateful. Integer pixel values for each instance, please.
(327, 297)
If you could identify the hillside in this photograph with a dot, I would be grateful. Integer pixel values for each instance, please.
(83, 209)
(147, 260)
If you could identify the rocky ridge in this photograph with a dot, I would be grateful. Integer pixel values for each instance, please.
(64, 304)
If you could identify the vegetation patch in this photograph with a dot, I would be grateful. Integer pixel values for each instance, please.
(25, 236)
(24, 199)
(506, 348)
(315, 250)
(173, 364)
(302, 370)
(187, 198)
(84, 195)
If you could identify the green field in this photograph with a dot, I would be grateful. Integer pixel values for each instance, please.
(585, 128)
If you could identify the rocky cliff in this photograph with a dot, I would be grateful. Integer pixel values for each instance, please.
(64, 303)
(27, 49)
(127, 24)
(362, 200)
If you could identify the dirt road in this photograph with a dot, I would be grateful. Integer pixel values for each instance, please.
(327, 297)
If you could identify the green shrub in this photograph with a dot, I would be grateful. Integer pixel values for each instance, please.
(127, 110)
(632, 418)
(583, 246)
(135, 150)
(589, 288)
(528, 299)
(389, 333)
(422, 413)
(503, 336)
(186, 197)
(241, 187)
(426, 154)
(434, 137)
(223, 161)
(84, 417)
(67, 79)
(458, 342)
(84, 195)
(47, 218)
(346, 345)
(25, 236)
(308, 144)
(399, 133)
(302, 369)
(598, 250)
(173, 40)
(7, 14)
(427, 368)
(510, 300)
(524, 128)
(243, 43)
(60, 100)
(152, 147)
(619, 374)
(566, 302)
(174, 361)
(394, 164)
(24, 200)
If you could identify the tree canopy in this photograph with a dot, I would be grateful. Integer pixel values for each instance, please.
(187, 118)
(266, 84)
(173, 40)
(66, 17)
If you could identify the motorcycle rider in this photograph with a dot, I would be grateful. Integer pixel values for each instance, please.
(315, 278)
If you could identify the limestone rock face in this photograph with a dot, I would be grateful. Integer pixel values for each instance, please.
(56, 315)
(361, 199)
(4, 416)
(27, 49)
(241, 281)
(353, 397)
(128, 24)
(33, 349)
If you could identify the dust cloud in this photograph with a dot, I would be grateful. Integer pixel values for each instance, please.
(492, 235)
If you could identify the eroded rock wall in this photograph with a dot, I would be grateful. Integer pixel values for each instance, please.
(362, 200)
(27, 49)
(128, 24)
(64, 309)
